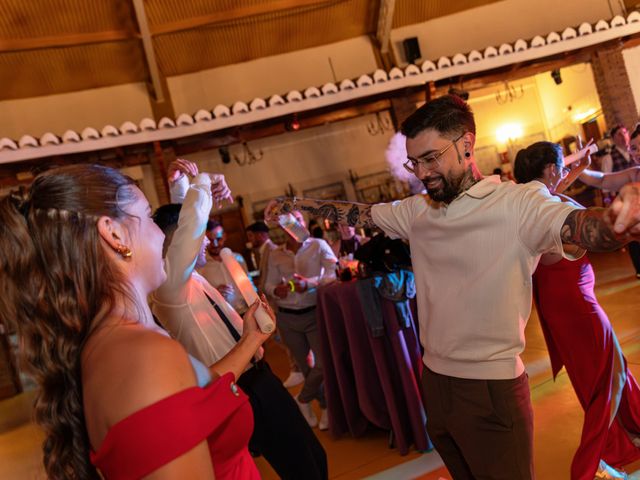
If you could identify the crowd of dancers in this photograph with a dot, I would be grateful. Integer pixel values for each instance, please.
(146, 370)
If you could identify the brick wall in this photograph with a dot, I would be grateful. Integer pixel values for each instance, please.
(614, 88)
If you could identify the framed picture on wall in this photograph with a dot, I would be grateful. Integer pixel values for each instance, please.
(378, 187)
(331, 191)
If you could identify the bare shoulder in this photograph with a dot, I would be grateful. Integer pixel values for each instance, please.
(145, 364)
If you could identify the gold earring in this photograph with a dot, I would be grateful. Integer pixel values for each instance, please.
(124, 251)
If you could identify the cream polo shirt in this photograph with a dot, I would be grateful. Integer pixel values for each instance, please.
(473, 260)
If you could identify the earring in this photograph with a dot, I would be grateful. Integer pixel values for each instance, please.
(467, 154)
(124, 251)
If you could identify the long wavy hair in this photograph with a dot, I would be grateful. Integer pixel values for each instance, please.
(57, 285)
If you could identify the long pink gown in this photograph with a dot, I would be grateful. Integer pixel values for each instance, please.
(580, 337)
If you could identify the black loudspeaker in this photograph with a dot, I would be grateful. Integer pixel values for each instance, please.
(557, 77)
(224, 154)
(411, 49)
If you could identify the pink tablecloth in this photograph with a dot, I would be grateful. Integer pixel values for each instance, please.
(370, 381)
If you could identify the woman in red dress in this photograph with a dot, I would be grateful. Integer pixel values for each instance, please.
(78, 257)
(580, 337)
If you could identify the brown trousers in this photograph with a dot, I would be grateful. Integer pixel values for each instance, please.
(482, 429)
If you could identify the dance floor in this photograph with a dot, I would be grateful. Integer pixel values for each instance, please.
(558, 416)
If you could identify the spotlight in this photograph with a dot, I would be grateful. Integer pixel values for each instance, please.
(463, 94)
(224, 155)
(555, 74)
(292, 125)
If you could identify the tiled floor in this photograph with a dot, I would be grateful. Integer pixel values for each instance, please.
(558, 416)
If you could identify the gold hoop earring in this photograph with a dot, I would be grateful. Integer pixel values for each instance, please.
(124, 251)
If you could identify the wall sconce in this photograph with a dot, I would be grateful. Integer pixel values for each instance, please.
(379, 125)
(249, 156)
(509, 94)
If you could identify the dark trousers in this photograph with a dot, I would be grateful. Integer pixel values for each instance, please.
(281, 434)
(634, 253)
(482, 429)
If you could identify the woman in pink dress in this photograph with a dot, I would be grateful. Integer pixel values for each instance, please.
(580, 337)
(118, 398)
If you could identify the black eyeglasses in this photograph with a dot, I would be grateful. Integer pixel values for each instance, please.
(430, 162)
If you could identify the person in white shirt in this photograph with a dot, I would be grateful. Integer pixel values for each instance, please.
(474, 244)
(293, 275)
(197, 315)
(262, 246)
(215, 271)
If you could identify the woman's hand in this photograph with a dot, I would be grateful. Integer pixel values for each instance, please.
(251, 330)
(220, 191)
(180, 167)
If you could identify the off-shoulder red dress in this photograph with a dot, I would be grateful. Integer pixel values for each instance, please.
(580, 337)
(152, 437)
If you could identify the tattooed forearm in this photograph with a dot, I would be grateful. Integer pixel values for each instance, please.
(589, 229)
(352, 215)
(347, 213)
(330, 212)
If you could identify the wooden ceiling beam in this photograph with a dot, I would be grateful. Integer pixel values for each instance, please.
(149, 52)
(233, 14)
(385, 20)
(71, 40)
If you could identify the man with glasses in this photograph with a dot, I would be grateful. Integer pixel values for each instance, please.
(474, 244)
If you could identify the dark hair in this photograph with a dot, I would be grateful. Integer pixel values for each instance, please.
(317, 232)
(615, 129)
(531, 161)
(257, 227)
(449, 115)
(636, 131)
(211, 224)
(57, 285)
(166, 217)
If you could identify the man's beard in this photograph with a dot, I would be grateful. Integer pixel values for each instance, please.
(448, 189)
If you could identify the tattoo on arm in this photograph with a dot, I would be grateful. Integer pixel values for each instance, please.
(346, 213)
(352, 215)
(589, 229)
